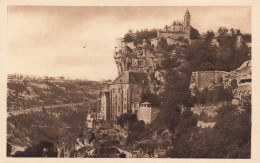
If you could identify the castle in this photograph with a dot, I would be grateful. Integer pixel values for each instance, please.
(139, 71)
(177, 31)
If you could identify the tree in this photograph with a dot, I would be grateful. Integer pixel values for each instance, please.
(200, 56)
(152, 98)
(17, 87)
(37, 150)
(128, 38)
(206, 66)
(241, 55)
(194, 33)
(126, 119)
(162, 44)
(235, 128)
(221, 33)
(209, 36)
(247, 37)
(183, 133)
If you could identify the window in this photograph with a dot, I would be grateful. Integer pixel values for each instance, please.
(118, 90)
(244, 81)
(118, 108)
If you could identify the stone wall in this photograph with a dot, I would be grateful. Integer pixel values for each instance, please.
(206, 79)
(202, 124)
(173, 35)
(242, 75)
(144, 114)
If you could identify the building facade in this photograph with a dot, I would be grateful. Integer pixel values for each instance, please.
(242, 76)
(206, 79)
(145, 112)
(177, 30)
(104, 106)
(126, 90)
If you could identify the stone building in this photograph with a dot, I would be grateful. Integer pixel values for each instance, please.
(242, 76)
(177, 30)
(206, 79)
(146, 112)
(125, 90)
(239, 41)
(105, 104)
(89, 121)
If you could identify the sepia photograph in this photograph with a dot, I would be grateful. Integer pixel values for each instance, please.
(129, 81)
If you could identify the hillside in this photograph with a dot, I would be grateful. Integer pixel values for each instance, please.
(48, 124)
(25, 93)
(27, 130)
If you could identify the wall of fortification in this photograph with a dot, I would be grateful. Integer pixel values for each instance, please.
(172, 35)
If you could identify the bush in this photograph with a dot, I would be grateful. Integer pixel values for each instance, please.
(151, 98)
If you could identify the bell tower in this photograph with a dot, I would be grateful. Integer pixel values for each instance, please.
(186, 24)
(187, 19)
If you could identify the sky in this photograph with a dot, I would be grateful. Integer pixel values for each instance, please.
(79, 42)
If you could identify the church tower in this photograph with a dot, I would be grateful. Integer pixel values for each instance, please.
(187, 19)
(186, 24)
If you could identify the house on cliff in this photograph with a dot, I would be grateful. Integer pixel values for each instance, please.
(177, 32)
(206, 79)
(242, 76)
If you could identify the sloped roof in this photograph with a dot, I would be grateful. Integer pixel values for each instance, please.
(245, 64)
(131, 78)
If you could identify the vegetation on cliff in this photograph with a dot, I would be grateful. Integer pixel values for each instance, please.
(226, 139)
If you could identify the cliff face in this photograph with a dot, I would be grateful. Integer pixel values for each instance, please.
(146, 58)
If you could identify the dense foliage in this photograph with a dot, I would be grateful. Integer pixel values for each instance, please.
(151, 98)
(213, 96)
(203, 55)
(37, 150)
(139, 36)
(231, 135)
(194, 33)
(137, 129)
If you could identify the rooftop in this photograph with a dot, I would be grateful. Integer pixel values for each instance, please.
(131, 78)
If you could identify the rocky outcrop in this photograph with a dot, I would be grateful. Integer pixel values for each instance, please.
(143, 58)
